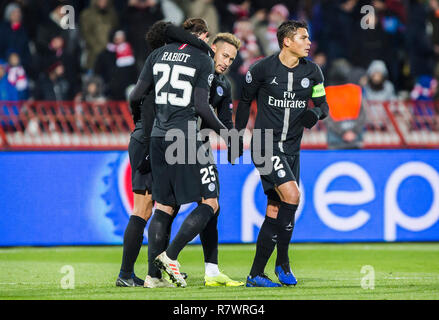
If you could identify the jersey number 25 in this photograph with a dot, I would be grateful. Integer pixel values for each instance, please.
(173, 77)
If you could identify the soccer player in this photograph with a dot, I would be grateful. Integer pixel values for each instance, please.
(282, 83)
(181, 75)
(225, 47)
(141, 180)
(141, 176)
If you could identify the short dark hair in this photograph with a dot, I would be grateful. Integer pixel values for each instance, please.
(288, 29)
(196, 25)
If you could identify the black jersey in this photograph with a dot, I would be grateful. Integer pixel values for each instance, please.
(144, 121)
(282, 95)
(220, 99)
(175, 70)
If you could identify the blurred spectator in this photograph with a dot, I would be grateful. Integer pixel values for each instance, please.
(138, 17)
(393, 17)
(106, 62)
(377, 90)
(346, 112)
(172, 12)
(51, 28)
(230, 11)
(33, 12)
(96, 23)
(13, 35)
(292, 5)
(424, 92)
(55, 50)
(266, 31)
(425, 89)
(384, 41)
(369, 43)
(249, 53)
(418, 44)
(17, 76)
(7, 91)
(378, 87)
(206, 10)
(86, 115)
(434, 19)
(116, 66)
(335, 38)
(92, 90)
(52, 84)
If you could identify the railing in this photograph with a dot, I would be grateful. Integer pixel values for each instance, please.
(64, 125)
(67, 125)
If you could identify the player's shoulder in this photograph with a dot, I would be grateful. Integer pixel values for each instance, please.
(157, 52)
(309, 64)
(197, 52)
(258, 69)
(315, 71)
(263, 63)
(199, 57)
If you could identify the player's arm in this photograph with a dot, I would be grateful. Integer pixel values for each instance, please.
(201, 96)
(144, 85)
(148, 113)
(321, 108)
(225, 108)
(249, 91)
(178, 34)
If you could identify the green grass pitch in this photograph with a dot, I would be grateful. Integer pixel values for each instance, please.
(324, 271)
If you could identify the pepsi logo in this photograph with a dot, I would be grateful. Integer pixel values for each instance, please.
(125, 185)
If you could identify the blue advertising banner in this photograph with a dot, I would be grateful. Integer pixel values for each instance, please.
(85, 198)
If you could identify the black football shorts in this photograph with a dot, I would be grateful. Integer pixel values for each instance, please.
(284, 168)
(185, 182)
(141, 181)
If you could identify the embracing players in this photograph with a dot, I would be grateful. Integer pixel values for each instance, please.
(182, 76)
(160, 34)
(282, 83)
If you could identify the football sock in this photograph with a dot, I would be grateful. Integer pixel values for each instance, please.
(209, 240)
(211, 269)
(194, 223)
(158, 239)
(132, 242)
(265, 244)
(285, 222)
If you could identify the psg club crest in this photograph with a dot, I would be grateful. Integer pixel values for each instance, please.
(248, 77)
(305, 83)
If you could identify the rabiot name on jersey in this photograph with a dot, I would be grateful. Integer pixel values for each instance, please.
(175, 56)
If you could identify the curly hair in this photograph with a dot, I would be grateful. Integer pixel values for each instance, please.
(156, 36)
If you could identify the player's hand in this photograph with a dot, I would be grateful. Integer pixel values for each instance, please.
(145, 165)
(231, 155)
(309, 118)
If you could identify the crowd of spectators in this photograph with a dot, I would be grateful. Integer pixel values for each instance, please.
(41, 59)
